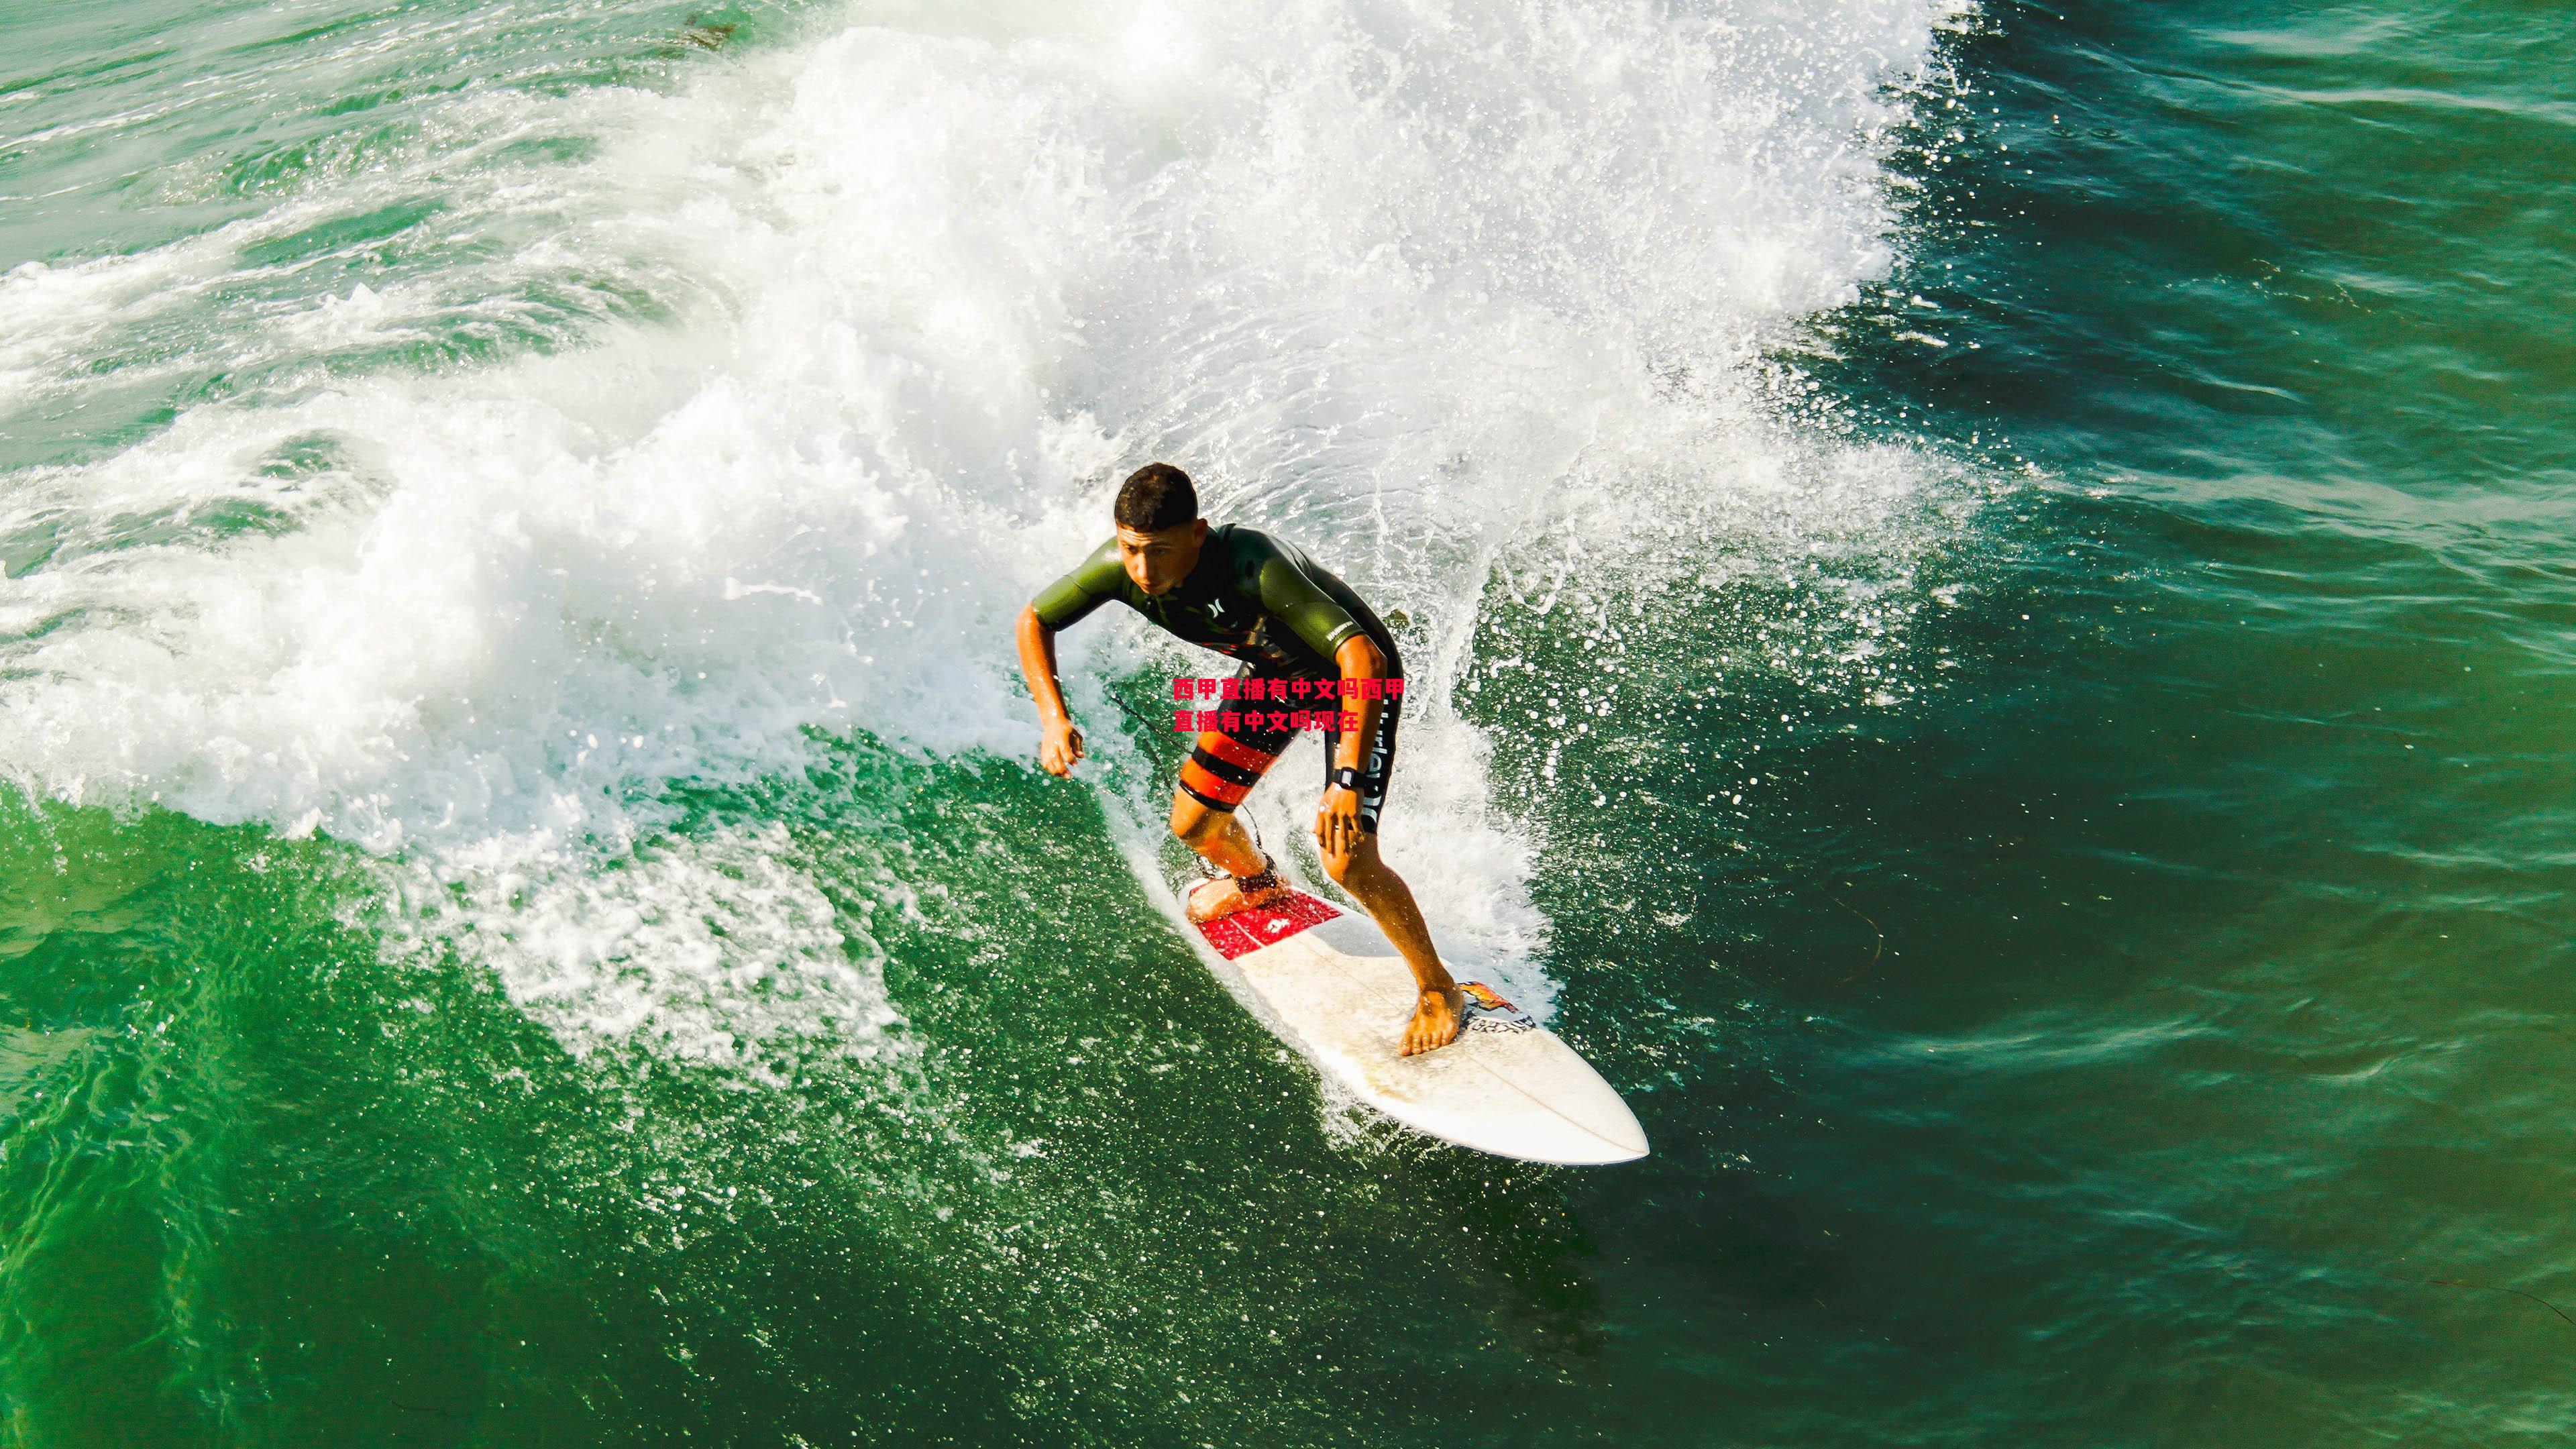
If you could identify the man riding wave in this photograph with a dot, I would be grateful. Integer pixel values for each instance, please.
(1261, 601)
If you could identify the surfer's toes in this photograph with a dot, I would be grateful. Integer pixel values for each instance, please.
(1435, 1022)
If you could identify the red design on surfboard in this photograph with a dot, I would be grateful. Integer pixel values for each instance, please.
(1247, 931)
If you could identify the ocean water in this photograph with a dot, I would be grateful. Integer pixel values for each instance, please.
(1989, 601)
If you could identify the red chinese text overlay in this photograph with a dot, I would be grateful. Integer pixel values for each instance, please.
(1277, 691)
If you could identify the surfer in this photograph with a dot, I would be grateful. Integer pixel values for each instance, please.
(1261, 601)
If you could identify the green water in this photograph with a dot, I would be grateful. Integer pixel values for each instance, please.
(2124, 1006)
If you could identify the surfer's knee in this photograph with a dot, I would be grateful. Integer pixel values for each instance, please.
(1343, 863)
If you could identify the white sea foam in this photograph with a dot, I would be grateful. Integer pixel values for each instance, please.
(1422, 286)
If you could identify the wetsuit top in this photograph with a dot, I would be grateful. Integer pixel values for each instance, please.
(1250, 596)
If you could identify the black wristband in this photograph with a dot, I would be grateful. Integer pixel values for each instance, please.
(1346, 777)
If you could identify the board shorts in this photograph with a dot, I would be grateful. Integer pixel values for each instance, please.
(1225, 764)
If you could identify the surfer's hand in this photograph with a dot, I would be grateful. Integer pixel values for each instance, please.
(1337, 824)
(1060, 746)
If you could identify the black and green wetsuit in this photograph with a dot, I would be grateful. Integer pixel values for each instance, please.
(1264, 602)
(1251, 596)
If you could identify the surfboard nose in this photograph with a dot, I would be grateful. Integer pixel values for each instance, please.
(1622, 1140)
(1517, 1092)
(1570, 1123)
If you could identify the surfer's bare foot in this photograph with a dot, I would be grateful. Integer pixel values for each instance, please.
(1435, 1021)
(1216, 899)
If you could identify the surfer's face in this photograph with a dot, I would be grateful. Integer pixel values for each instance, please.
(1162, 558)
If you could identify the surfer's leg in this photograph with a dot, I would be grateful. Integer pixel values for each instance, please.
(1221, 841)
(1389, 902)
(1356, 867)
(1216, 835)
(1221, 770)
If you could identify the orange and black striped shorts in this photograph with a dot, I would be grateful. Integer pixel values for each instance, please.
(1224, 765)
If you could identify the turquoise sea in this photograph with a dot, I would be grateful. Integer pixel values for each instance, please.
(1992, 614)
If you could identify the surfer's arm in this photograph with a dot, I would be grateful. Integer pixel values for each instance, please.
(1059, 742)
(1359, 658)
(1293, 598)
(1061, 605)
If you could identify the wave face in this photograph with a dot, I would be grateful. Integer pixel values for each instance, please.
(521, 457)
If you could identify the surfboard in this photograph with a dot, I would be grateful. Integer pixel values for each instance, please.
(1330, 984)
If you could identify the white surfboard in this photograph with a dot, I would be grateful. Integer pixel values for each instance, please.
(1331, 985)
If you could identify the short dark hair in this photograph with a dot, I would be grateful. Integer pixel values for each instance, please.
(1155, 497)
